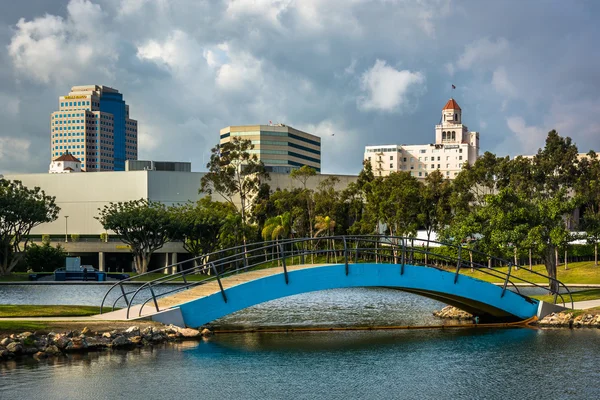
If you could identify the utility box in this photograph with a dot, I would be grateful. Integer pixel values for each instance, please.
(73, 264)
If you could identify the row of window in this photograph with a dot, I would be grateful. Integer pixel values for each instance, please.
(74, 103)
(268, 133)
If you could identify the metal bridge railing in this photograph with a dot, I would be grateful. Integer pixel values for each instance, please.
(351, 249)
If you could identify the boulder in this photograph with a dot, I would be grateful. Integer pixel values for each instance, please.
(136, 340)
(5, 342)
(52, 350)
(4, 354)
(85, 331)
(189, 332)
(121, 341)
(15, 348)
(61, 341)
(107, 335)
(133, 330)
(40, 354)
(147, 331)
(26, 335)
(207, 332)
(76, 344)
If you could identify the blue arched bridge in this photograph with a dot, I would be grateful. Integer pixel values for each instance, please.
(221, 283)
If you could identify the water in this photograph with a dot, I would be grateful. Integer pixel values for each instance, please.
(84, 294)
(458, 364)
(411, 364)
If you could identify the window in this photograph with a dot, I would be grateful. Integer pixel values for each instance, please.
(404, 159)
(425, 158)
(460, 150)
(391, 158)
(438, 166)
(460, 157)
(447, 173)
(432, 166)
(420, 173)
(447, 158)
(422, 151)
(447, 165)
(391, 166)
(419, 158)
(438, 158)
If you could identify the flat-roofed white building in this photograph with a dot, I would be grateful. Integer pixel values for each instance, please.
(454, 146)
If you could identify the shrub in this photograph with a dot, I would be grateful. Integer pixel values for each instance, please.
(75, 237)
(45, 257)
(46, 239)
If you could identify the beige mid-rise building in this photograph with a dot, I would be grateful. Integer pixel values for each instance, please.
(453, 147)
(93, 124)
(281, 148)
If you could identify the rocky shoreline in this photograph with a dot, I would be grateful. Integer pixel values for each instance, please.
(450, 312)
(563, 319)
(40, 346)
(566, 319)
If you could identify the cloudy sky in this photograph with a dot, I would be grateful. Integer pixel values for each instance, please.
(355, 72)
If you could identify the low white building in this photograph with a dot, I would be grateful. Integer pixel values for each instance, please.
(453, 147)
(65, 164)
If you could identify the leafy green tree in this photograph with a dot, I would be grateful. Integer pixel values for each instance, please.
(144, 225)
(302, 175)
(198, 226)
(434, 206)
(235, 174)
(21, 210)
(45, 257)
(394, 201)
(588, 190)
(277, 227)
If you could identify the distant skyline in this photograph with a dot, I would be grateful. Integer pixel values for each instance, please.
(355, 72)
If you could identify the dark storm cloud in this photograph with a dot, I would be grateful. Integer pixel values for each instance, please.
(370, 72)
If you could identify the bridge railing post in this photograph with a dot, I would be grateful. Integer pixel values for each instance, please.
(154, 299)
(345, 254)
(458, 263)
(510, 265)
(212, 264)
(124, 295)
(403, 256)
(282, 256)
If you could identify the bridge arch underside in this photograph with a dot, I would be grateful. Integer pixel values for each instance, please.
(472, 295)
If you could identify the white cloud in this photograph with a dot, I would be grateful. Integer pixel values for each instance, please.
(387, 88)
(502, 83)
(51, 48)
(479, 52)
(178, 52)
(531, 138)
(242, 72)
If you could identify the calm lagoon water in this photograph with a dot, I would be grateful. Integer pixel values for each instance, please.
(409, 364)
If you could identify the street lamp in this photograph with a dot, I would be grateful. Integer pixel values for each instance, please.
(66, 237)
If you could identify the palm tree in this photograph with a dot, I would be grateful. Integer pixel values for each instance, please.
(325, 224)
(277, 227)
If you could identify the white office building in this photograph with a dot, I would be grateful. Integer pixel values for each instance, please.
(453, 147)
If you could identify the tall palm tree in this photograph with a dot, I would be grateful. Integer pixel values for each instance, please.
(325, 225)
(277, 227)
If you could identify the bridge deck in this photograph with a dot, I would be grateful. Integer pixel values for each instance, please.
(212, 287)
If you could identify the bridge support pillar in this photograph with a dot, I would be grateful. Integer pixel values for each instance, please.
(174, 261)
(101, 262)
(166, 269)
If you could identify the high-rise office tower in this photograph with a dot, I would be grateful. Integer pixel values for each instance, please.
(93, 124)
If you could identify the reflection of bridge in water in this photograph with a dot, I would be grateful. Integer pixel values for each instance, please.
(245, 276)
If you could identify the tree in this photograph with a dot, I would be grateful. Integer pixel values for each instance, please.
(199, 225)
(234, 173)
(302, 175)
(394, 201)
(144, 225)
(45, 257)
(434, 205)
(276, 227)
(588, 191)
(21, 210)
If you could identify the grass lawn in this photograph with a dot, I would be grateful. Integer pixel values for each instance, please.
(7, 311)
(23, 326)
(15, 277)
(591, 294)
(583, 272)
